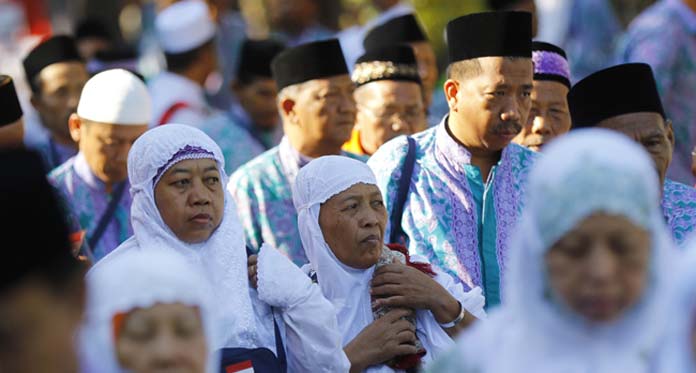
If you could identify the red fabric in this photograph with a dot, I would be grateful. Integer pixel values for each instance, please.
(423, 267)
(169, 113)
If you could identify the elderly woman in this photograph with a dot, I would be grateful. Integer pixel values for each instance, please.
(179, 202)
(374, 288)
(141, 302)
(678, 349)
(588, 271)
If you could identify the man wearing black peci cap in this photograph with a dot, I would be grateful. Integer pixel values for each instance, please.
(625, 98)
(56, 74)
(11, 124)
(252, 124)
(407, 30)
(42, 286)
(466, 180)
(317, 109)
(389, 98)
(550, 116)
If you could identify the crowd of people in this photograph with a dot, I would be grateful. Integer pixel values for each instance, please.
(325, 222)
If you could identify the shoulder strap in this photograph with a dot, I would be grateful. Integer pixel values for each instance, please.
(397, 233)
(107, 216)
(169, 113)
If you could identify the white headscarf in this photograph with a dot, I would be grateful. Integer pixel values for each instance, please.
(140, 279)
(222, 258)
(676, 351)
(345, 287)
(583, 173)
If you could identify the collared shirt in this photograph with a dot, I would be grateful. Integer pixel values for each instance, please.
(87, 198)
(262, 190)
(168, 89)
(454, 218)
(664, 36)
(679, 208)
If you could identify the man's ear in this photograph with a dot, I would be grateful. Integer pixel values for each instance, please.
(287, 109)
(669, 130)
(75, 125)
(451, 88)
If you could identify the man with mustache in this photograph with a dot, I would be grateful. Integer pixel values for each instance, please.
(550, 116)
(114, 110)
(465, 188)
(625, 98)
(317, 108)
(56, 74)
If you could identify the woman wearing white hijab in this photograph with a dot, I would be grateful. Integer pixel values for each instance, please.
(342, 219)
(589, 265)
(678, 348)
(141, 301)
(179, 202)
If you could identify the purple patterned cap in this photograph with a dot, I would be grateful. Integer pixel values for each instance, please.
(187, 152)
(550, 63)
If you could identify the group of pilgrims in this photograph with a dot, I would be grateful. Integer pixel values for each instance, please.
(532, 229)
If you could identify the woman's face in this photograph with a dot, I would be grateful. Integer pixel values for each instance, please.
(353, 224)
(191, 199)
(162, 338)
(600, 268)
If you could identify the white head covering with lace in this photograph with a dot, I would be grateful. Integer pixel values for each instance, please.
(345, 287)
(139, 280)
(222, 258)
(585, 172)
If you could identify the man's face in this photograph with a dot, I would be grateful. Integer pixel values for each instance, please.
(106, 146)
(491, 106)
(387, 109)
(60, 85)
(549, 117)
(258, 99)
(427, 68)
(324, 110)
(649, 130)
(38, 328)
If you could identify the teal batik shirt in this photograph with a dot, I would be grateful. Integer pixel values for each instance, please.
(679, 208)
(460, 223)
(262, 190)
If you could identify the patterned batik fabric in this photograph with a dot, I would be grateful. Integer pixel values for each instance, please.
(237, 144)
(679, 208)
(262, 190)
(664, 36)
(454, 219)
(87, 200)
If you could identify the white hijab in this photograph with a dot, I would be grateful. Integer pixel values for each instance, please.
(222, 258)
(140, 279)
(585, 172)
(345, 287)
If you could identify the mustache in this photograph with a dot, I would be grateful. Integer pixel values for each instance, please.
(507, 127)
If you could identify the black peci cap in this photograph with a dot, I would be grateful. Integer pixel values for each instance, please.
(11, 110)
(491, 34)
(618, 90)
(400, 30)
(256, 56)
(396, 62)
(317, 60)
(56, 49)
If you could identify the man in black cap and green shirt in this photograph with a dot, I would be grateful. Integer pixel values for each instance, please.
(625, 98)
(455, 191)
(389, 98)
(56, 74)
(252, 124)
(11, 124)
(317, 109)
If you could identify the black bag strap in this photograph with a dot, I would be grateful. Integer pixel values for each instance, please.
(397, 234)
(107, 216)
(280, 347)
